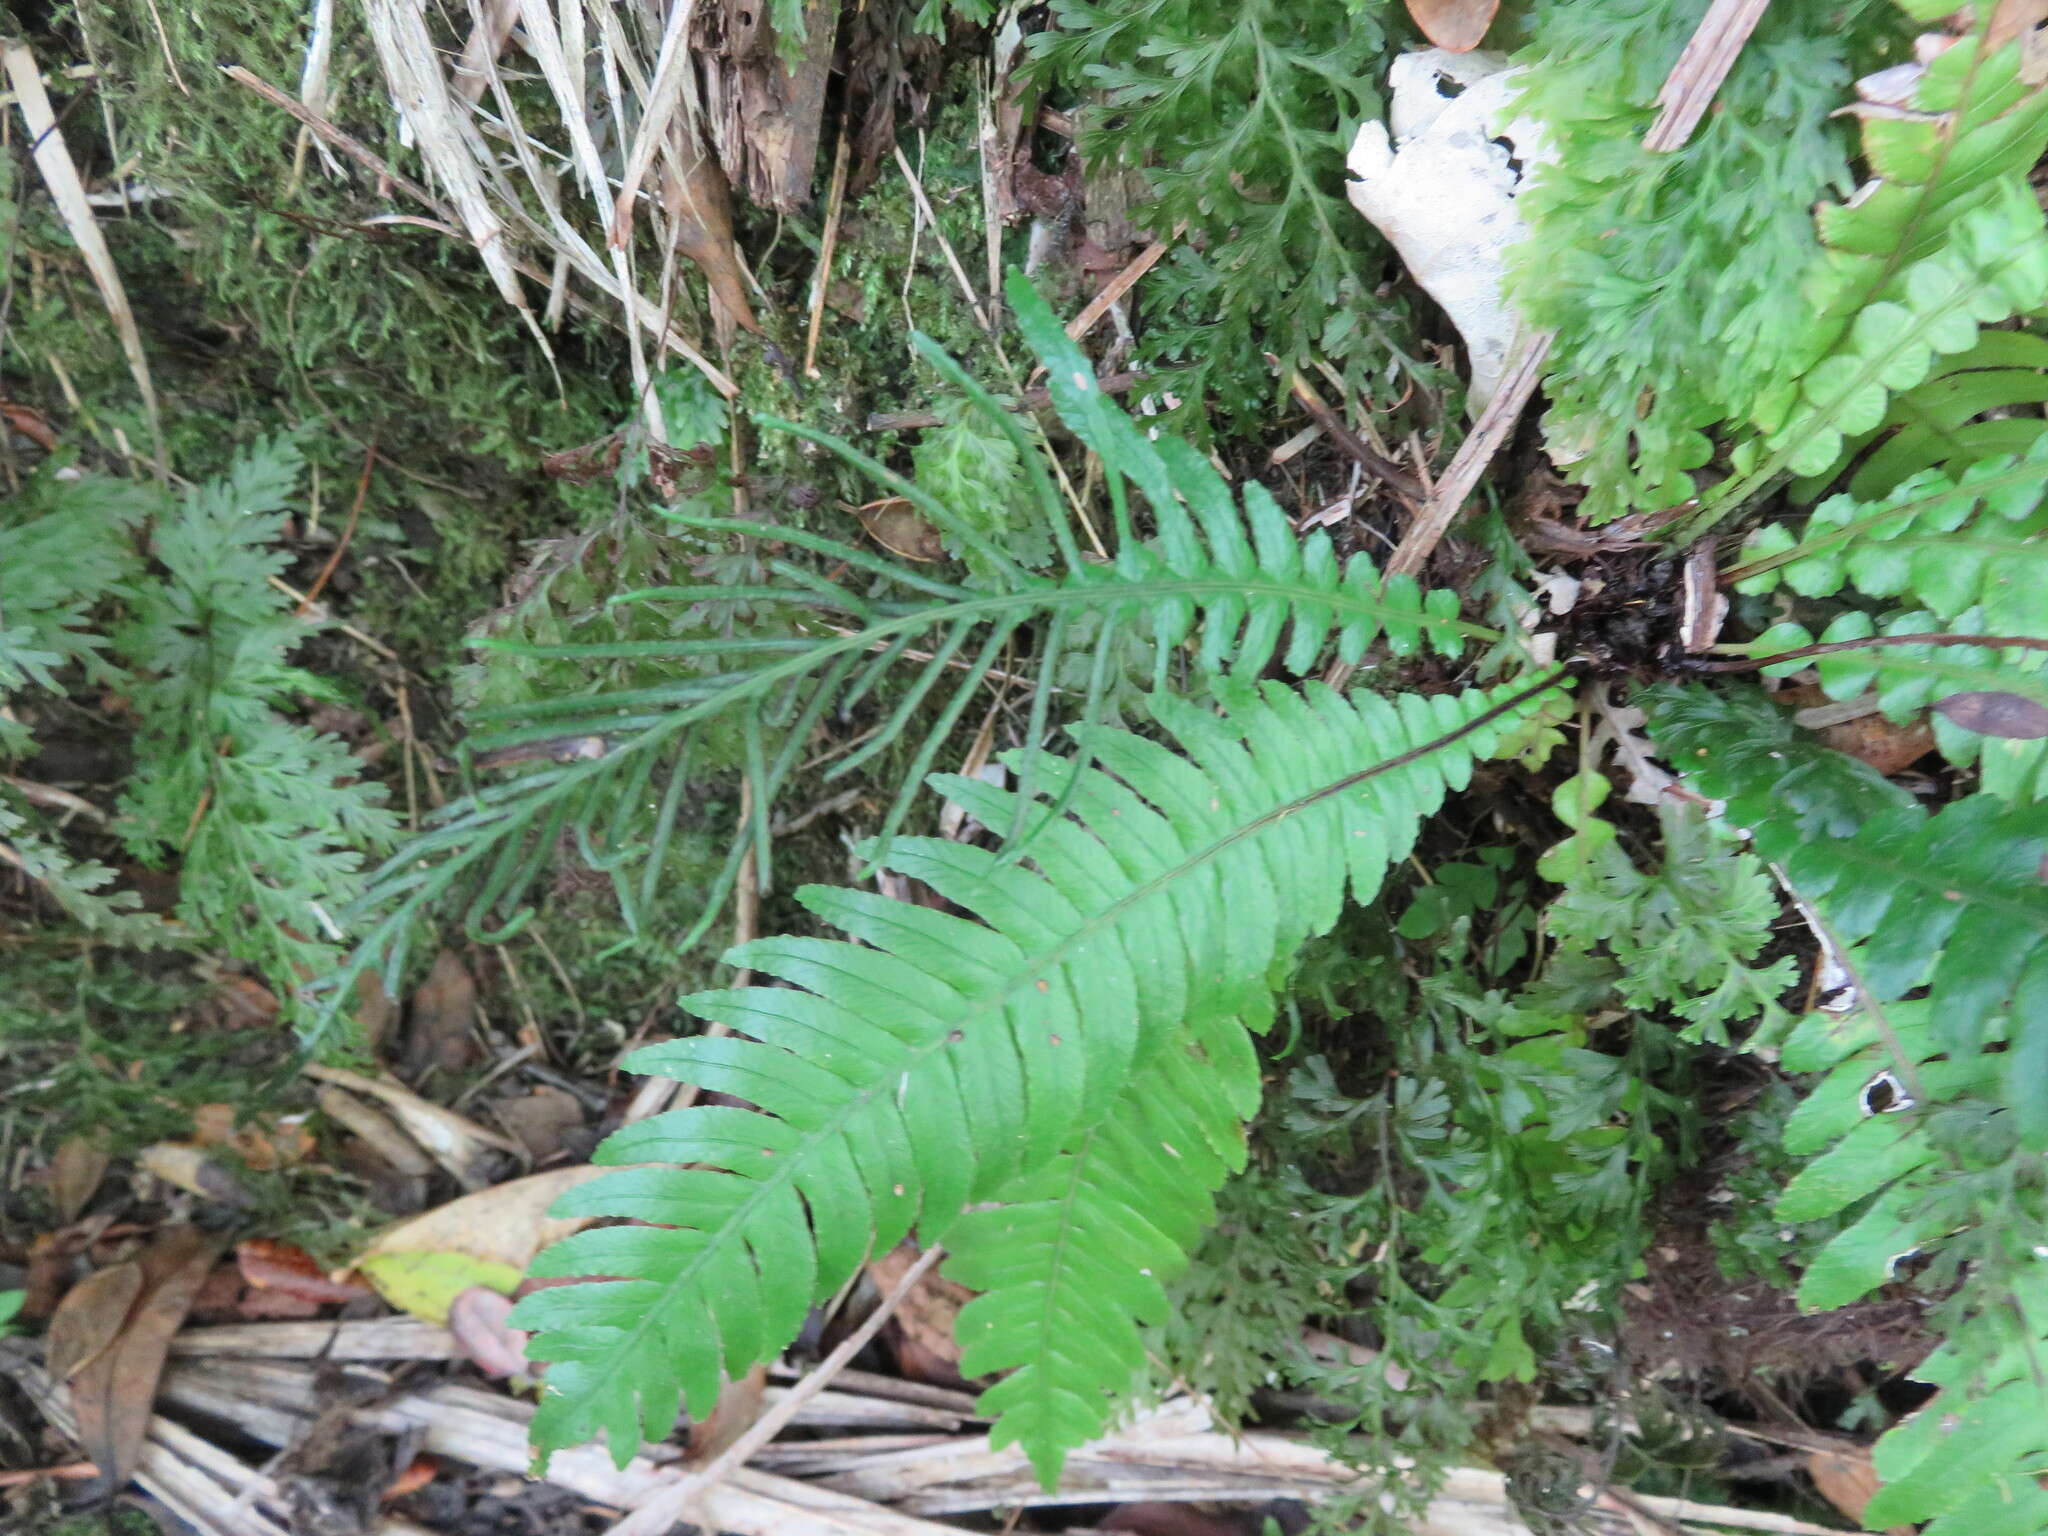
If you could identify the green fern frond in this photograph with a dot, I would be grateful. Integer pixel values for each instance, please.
(1952, 901)
(1980, 405)
(1970, 548)
(1221, 580)
(1672, 280)
(267, 819)
(1945, 239)
(1915, 1135)
(1073, 1258)
(935, 1059)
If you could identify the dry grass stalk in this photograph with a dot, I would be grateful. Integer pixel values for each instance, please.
(67, 191)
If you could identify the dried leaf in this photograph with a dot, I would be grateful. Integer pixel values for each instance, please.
(112, 1393)
(698, 200)
(902, 531)
(1847, 1480)
(924, 1325)
(1457, 26)
(75, 1174)
(264, 1142)
(190, 1169)
(30, 423)
(419, 1472)
(507, 1224)
(428, 1284)
(90, 1316)
(2004, 715)
(543, 1120)
(270, 1265)
(437, 1027)
(375, 1010)
(460, 1145)
(477, 1319)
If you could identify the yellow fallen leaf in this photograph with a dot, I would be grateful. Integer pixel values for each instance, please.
(508, 1223)
(426, 1284)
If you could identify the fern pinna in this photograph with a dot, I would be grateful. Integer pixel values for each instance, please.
(1044, 1054)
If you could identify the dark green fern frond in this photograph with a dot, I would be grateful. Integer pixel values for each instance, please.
(936, 1059)
(1952, 901)
(267, 819)
(1222, 581)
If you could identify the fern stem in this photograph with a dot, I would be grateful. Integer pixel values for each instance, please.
(1870, 642)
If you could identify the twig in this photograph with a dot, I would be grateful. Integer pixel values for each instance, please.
(938, 233)
(348, 532)
(1375, 463)
(1690, 87)
(835, 205)
(1115, 289)
(661, 1509)
(1030, 400)
(306, 605)
(1492, 429)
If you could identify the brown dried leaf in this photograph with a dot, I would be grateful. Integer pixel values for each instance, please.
(75, 1174)
(543, 1120)
(902, 530)
(698, 200)
(2004, 715)
(30, 423)
(270, 1265)
(89, 1317)
(1458, 26)
(924, 1325)
(112, 1393)
(438, 1025)
(1847, 1480)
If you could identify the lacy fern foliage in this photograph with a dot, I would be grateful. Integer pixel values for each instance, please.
(936, 1059)
(268, 819)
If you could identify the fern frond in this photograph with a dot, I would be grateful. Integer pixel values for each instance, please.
(1980, 405)
(1944, 240)
(267, 818)
(928, 1063)
(1915, 1135)
(1073, 1258)
(1953, 901)
(1970, 548)
(1223, 579)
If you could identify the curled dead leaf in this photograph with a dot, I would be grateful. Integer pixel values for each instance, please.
(900, 529)
(270, 1265)
(477, 1320)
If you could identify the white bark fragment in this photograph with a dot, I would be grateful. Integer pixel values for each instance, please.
(1442, 186)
